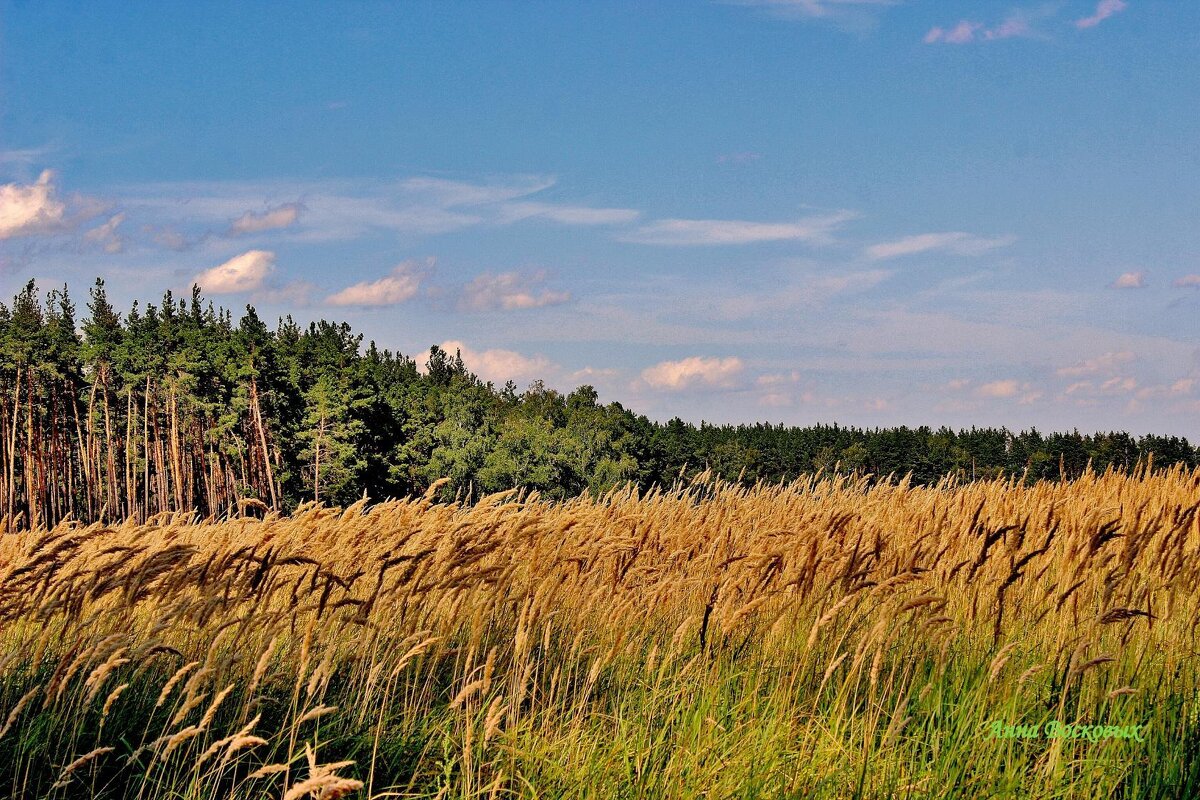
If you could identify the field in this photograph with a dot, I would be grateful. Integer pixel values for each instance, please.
(830, 638)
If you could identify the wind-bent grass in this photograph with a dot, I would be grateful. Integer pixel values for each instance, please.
(832, 638)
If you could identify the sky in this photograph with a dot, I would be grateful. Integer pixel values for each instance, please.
(870, 212)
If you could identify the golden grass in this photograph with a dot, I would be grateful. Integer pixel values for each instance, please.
(828, 638)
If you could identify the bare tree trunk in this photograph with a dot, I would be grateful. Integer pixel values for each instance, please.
(262, 438)
(146, 450)
(30, 460)
(175, 455)
(130, 479)
(90, 483)
(12, 448)
(110, 459)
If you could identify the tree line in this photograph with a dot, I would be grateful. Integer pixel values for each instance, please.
(174, 406)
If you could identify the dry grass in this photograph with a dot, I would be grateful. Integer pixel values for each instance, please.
(829, 638)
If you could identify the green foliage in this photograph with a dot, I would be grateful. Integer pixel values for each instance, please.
(176, 406)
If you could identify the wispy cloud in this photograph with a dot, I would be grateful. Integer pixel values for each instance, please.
(25, 157)
(1178, 388)
(1107, 363)
(1187, 282)
(281, 216)
(450, 193)
(954, 242)
(1019, 24)
(1104, 10)
(168, 237)
(850, 14)
(1016, 26)
(339, 210)
(693, 372)
(962, 33)
(1129, 280)
(398, 286)
(1119, 384)
(566, 214)
(244, 273)
(814, 291)
(509, 291)
(689, 232)
(106, 236)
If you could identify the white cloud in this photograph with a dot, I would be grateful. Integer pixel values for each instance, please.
(1104, 10)
(953, 242)
(696, 371)
(1129, 280)
(815, 229)
(1020, 23)
(962, 33)
(509, 291)
(244, 273)
(499, 366)
(281, 216)
(106, 235)
(566, 215)
(398, 286)
(1106, 363)
(999, 389)
(31, 209)
(1187, 282)
(1015, 26)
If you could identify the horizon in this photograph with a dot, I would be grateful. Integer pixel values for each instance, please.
(872, 213)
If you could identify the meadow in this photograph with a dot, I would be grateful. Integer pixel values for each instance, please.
(830, 638)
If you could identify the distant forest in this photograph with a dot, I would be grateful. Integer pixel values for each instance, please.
(178, 407)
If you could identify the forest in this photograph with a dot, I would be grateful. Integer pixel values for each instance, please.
(177, 407)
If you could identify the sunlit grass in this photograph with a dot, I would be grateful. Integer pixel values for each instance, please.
(832, 638)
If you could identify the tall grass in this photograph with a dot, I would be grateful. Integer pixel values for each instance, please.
(830, 638)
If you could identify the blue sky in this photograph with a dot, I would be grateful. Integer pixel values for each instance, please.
(874, 212)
